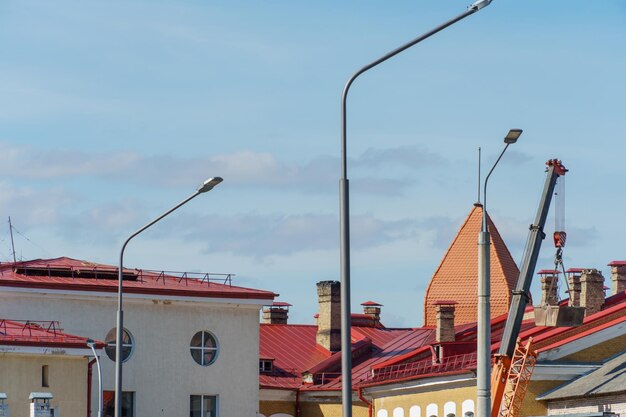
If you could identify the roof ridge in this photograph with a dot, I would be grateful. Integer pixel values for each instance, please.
(498, 245)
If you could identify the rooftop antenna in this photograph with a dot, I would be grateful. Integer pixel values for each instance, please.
(12, 244)
(478, 201)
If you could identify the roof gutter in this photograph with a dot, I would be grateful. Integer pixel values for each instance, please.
(370, 405)
(89, 378)
(297, 414)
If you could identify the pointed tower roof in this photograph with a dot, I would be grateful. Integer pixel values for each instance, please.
(457, 276)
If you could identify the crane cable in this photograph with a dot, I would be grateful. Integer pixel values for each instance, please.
(560, 236)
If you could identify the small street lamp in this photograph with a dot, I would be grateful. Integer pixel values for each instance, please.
(483, 354)
(91, 343)
(207, 185)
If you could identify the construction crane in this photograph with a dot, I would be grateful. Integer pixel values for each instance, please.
(515, 360)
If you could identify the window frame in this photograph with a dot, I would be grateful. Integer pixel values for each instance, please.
(202, 398)
(129, 397)
(204, 349)
(130, 345)
(266, 369)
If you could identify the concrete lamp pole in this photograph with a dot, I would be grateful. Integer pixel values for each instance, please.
(483, 371)
(344, 211)
(207, 185)
(92, 345)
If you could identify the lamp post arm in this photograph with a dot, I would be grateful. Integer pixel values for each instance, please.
(120, 270)
(484, 225)
(471, 10)
(95, 355)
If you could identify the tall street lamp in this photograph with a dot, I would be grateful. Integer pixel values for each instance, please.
(344, 220)
(206, 186)
(483, 354)
(92, 344)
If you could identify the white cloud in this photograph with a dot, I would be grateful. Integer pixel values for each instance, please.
(243, 168)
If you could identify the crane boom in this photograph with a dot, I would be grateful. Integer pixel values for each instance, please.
(529, 261)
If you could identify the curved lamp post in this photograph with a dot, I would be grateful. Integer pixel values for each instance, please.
(344, 220)
(91, 343)
(483, 353)
(206, 186)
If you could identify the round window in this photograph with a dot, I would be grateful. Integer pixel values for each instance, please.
(127, 344)
(203, 348)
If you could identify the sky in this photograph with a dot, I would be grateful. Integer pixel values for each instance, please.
(112, 112)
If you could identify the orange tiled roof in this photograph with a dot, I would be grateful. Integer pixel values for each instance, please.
(457, 275)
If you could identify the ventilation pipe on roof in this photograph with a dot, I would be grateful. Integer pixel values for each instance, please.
(277, 313)
(329, 319)
(618, 276)
(445, 321)
(372, 309)
(591, 291)
(549, 287)
(573, 278)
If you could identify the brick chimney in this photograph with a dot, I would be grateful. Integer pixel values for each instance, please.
(444, 316)
(549, 287)
(573, 279)
(618, 276)
(329, 319)
(591, 290)
(277, 313)
(372, 309)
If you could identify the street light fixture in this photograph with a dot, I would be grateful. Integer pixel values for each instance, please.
(92, 344)
(483, 353)
(344, 211)
(207, 185)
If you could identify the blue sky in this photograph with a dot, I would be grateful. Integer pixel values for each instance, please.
(111, 112)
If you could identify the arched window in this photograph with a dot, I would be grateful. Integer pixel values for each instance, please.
(398, 412)
(432, 410)
(449, 409)
(128, 342)
(415, 411)
(203, 348)
(382, 413)
(467, 408)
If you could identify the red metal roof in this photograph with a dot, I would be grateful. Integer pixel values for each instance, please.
(76, 275)
(383, 356)
(575, 270)
(617, 263)
(40, 333)
(371, 304)
(404, 367)
(294, 349)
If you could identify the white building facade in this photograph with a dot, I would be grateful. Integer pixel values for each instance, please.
(193, 346)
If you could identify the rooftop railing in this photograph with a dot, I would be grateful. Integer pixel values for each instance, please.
(423, 367)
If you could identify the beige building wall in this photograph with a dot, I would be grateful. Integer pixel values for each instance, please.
(324, 408)
(20, 374)
(317, 409)
(161, 371)
(532, 407)
(436, 401)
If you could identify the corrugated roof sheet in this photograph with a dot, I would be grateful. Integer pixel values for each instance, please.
(610, 378)
(76, 275)
(456, 277)
(294, 349)
(38, 333)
